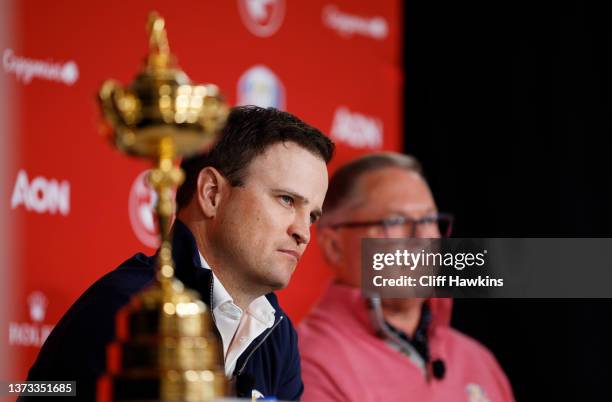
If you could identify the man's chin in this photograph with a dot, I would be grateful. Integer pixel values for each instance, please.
(279, 282)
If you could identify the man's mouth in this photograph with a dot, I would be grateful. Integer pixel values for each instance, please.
(292, 253)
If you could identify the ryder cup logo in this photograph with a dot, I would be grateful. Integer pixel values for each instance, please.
(141, 207)
(259, 86)
(262, 18)
(26, 69)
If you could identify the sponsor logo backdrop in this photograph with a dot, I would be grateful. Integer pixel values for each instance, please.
(75, 208)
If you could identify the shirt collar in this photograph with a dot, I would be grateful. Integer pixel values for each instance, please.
(220, 294)
(260, 308)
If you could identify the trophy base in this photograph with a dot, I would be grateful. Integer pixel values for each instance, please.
(169, 385)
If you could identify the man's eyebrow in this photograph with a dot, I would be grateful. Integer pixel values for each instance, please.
(317, 212)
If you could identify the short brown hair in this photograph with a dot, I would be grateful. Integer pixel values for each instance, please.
(249, 131)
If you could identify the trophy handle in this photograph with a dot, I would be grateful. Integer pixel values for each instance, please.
(121, 108)
(105, 95)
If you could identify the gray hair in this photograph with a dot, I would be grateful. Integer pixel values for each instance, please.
(342, 184)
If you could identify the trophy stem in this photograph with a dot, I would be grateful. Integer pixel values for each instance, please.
(164, 179)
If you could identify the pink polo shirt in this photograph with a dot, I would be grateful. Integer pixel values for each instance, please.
(343, 360)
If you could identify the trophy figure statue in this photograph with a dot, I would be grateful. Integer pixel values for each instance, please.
(165, 347)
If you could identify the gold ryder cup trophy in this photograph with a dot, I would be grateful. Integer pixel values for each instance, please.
(165, 347)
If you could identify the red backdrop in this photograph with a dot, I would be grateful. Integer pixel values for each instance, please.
(71, 206)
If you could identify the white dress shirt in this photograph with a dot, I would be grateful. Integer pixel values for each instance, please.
(237, 329)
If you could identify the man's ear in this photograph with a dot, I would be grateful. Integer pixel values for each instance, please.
(211, 187)
(329, 241)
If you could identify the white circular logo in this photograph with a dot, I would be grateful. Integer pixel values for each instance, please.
(259, 86)
(141, 208)
(262, 18)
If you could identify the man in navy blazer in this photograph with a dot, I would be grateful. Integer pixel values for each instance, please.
(244, 215)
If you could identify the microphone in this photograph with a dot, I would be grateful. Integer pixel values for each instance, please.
(438, 369)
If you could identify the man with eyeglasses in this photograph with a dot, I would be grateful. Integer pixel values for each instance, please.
(371, 350)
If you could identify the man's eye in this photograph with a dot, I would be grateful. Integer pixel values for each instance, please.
(287, 200)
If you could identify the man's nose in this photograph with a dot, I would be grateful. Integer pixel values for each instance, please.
(300, 229)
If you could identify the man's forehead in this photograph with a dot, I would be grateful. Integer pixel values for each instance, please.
(391, 190)
(283, 153)
(291, 167)
(395, 207)
(390, 176)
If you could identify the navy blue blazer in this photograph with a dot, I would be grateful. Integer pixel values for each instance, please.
(76, 348)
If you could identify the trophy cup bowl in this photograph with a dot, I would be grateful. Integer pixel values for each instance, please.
(166, 348)
(162, 102)
(162, 105)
